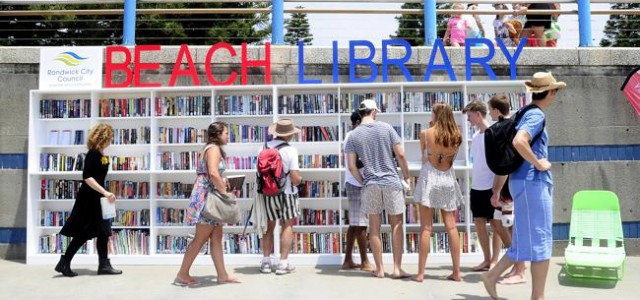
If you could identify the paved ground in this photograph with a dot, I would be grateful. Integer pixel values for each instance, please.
(20, 281)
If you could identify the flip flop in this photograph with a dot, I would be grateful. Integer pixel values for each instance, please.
(401, 276)
(450, 277)
(232, 280)
(480, 269)
(515, 279)
(179, 282)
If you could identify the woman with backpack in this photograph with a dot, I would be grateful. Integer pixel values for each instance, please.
(437, 187)
(208, 176)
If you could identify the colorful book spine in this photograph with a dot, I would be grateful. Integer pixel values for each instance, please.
(244, 105)
(183, 106)
(124, 107)
(308, 104)
(65, 109)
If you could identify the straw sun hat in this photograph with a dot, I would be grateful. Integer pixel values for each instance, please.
(543, 81)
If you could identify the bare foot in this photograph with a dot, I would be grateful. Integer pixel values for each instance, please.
(350, 265)
(229, 279)
(379, 274)
(367, 267)
(418, 278)
(454, 277)
(400, 275)
(514, 279)
(483, 266)
(490, 286)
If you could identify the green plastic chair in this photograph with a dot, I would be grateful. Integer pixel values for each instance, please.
(596, 242)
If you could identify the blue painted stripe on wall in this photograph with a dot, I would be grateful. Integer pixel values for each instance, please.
(13, 235)
(13, 160)
(594, 153)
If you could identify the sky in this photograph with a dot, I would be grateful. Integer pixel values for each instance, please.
(343, 28)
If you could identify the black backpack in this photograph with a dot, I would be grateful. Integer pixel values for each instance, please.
(502, 157)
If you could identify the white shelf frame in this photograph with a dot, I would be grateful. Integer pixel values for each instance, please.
(39, 127)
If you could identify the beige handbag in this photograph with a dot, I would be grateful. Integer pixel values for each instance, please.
(223, 209)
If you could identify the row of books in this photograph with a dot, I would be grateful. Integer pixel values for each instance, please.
(183, 106)
(318, 161)
(130, 242)
(65, 108)
(439, 242)
(174, 190)
(424, 101)
(317, 134)
(231, 244)
(53, 218)
(244, 105)
(168, 216)
(239, 133)
(241, 162)
(57, 243)
(124, 107)
(413, 215)
(311, 242)
(125, 189)
(129, 163)
(64, 137)
(132, 217)
(319, 189)
(387, 102)
(308, 104)
(57, 162)
(185, 160)
(318, 217)
(385, 237)
(59, 188)
(181, 135)
(516, 100)
(128, 136)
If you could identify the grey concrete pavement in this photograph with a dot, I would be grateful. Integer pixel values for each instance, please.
(20, 281)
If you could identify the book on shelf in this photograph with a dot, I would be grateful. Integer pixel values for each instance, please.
(131, 217)
(59, 189)
(308, 104)
(57, 243)
(130, 242)
(244, 105)
(175, 190)
(315, 243)
(125, 107)
(186, 105)
(125, 189)
(65, 109)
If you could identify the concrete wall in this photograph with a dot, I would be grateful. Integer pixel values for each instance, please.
(591, 111)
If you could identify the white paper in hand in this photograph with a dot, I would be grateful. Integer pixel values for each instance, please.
(108, 208)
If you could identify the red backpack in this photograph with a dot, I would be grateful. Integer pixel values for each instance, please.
(271, 176)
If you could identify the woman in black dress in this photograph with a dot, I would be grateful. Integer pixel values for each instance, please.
(85, 221)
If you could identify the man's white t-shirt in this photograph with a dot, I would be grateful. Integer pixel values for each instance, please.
(481, 175)
(289, 156)
(347, 174)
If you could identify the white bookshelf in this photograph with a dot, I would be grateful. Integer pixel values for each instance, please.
(400, 115)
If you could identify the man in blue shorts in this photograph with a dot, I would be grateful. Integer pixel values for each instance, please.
(531, 186)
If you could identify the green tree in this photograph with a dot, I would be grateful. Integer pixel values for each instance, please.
(298, 29)
(196, 29)
(622, 30)
(411, 27)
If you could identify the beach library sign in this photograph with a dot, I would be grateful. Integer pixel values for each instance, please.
(128, 65)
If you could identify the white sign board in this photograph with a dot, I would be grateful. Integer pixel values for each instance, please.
(71, 68)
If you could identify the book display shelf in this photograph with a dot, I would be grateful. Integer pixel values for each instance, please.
(159, 132)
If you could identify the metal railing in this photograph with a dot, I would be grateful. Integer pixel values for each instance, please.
(277, 11)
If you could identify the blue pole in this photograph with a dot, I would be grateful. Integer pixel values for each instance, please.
(129, 35)
(584, 22)
(430, 27)
(277, 22)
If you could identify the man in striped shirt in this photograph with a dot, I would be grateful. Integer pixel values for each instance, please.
(375, 143)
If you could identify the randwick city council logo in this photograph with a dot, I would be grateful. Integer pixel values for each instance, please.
(70, 59)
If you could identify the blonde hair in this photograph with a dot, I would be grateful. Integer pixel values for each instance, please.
(446, 132)
(100, 136)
